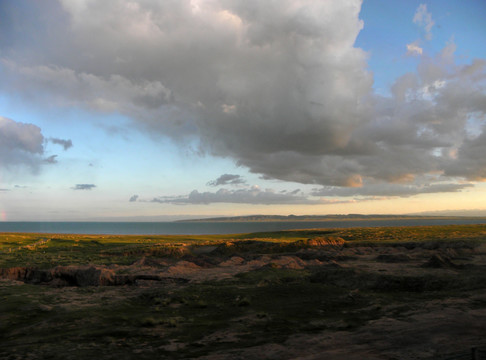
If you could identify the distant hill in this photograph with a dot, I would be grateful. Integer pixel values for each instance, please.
(448, 213)
(357, 217)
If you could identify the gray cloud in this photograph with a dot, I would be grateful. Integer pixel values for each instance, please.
(133, 198)
(20, 144)
(470, 161)
(84, 187)
(253, 195)
(227, 179)
(51, 159)
(277, 86)
(66, 144)
(391, 190)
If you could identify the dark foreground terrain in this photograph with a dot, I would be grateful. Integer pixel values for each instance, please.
(369, 293)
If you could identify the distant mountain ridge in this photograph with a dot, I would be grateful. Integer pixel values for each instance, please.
(337, 217)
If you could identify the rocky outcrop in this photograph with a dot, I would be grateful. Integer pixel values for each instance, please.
(26, 274)
(78, 276)
(83, 276)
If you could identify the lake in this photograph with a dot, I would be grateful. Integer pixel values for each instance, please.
(205, 228)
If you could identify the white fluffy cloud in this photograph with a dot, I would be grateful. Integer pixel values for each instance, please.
(277, 86)
(413, 49)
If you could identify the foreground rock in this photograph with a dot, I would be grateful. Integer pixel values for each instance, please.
(77, 276)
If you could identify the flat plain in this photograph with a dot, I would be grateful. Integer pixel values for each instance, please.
(360, 293)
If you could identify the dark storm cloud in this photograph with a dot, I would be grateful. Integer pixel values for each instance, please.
(227, 179)
(133, 198)
(277, 86)
(84, 187)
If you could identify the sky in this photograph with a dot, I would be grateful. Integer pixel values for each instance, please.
(145, 110)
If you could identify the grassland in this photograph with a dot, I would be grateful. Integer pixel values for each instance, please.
(363, 293)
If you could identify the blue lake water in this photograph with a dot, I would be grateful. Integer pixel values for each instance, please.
(204, 228)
